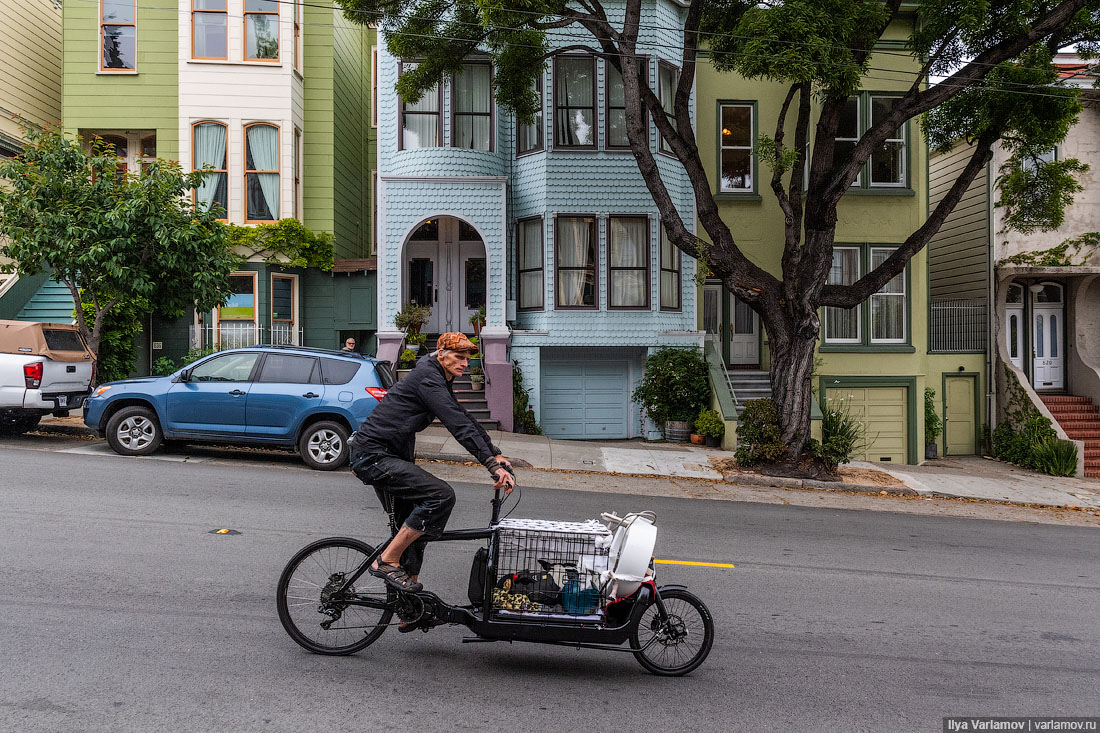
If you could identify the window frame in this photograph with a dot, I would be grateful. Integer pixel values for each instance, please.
(455, 114)
(646, 268)
(225, 170)
(594, 108)
(245, 12)
(297, 36)
(752, 192)
(904, 294)
(662, 236)
(297, 173)
(401, 114)
(865, 342)
(595, 266)
(860, 129)
(541, 268)
(643, 61)
(293, 318)
(862, 184)
(540, 121)
(859, 337)
(255, 321)
(102, 24)
(205, 11)
(903, 137)
(662, 64)
(374, 86)
(247, 171)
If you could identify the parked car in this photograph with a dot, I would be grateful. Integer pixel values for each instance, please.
(279, 396)
(44, 368)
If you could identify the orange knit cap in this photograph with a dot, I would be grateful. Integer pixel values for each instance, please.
(455, 341)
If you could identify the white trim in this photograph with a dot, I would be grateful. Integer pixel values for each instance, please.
(445, 179)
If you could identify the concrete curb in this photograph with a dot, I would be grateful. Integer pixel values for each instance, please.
(50, 427)
(797, 483)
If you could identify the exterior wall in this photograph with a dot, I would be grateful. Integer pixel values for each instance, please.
(146, 98)
(30, 87)
(959, 253)
(318, 158)
(352, 133)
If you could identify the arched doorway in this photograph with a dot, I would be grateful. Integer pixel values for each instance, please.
(444, 268)
(1048, 324)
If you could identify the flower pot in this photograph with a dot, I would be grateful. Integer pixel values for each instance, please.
(402, 373)
(931, 451)
(415, 348)
(714, 441)
(697, 439)
(477, 384)
(677, 431)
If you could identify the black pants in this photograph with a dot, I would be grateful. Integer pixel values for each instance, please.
(411, 495)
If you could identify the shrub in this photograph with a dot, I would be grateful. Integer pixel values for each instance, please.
(416, 339)
(194, 355)
(1023, 447)
(412, 316)
(163, 366)
(675, 385)
(933, 426)
(1055, 457)
(407, 360)
(758, 434)
(842, 434)
(710, 424)
(118, 337)
(522, 414)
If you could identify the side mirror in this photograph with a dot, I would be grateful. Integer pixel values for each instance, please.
(185, 375)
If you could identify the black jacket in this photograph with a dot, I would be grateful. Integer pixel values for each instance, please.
(410, 406)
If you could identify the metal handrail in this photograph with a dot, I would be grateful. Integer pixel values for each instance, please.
(720, 378)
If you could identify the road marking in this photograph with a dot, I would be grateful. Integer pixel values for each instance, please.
(102, 449)
(689, 562)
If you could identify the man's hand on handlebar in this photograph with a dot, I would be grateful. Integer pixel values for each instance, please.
(505, 477)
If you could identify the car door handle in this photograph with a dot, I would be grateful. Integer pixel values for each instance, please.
(310, 395)
(237, 392)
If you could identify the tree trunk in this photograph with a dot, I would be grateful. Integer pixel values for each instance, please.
(792, 363)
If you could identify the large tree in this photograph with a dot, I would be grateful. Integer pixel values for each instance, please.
(111, 238)
(1000, 85)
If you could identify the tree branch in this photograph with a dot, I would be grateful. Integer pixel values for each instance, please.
(777, 170)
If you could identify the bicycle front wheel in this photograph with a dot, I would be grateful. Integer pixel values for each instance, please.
(680, 642)
(313, 610)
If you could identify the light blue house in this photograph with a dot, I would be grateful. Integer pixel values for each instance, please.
(548, 225)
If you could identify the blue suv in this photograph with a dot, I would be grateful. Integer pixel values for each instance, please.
(278, 396)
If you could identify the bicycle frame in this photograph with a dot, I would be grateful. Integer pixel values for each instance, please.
(583, 634)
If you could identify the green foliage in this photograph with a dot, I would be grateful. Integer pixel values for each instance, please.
(1055, 457)
(710, 424)
(286, 243)
(194, 355)
(523, 416)
(758, 436)
(121, 326)
(1070, 253)
(163, 366)
(416, 339)
(477, 318)
(407, 360)
(675, 385)
(1035, 196)
(843, 435)
(477, 372)
(933, 426)
(65, 210)
(412, 316)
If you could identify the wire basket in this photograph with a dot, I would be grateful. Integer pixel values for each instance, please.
(554, 570)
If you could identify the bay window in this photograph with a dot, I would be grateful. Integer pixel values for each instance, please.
(628, 262)
(472, 105)
(671, 267)
(209, 29)
(668, 76)
(575, 102)
(615, 136)
(208, 150)
(575, 261)
(261, 172)
(529, 254)
(261, 30)
(420, 123)
(529, 136)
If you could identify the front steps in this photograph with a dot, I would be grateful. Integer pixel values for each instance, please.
(1081, 421)
(749, 384)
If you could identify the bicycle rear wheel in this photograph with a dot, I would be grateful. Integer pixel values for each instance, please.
(313, 611)
(680, 643)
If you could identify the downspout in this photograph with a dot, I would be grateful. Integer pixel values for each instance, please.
(991, 307)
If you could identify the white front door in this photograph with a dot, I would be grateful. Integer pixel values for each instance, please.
(1047, 337)
(744, 334)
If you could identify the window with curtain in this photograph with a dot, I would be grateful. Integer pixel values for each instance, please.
(420, 120)
(671, 267)
(847, 134)
(261, 30)
(628, 262)
(261, 173)
(472, 105)
(529, 250)
(208, 149)
(575, 261)
(668, 76)
(736, 141)
(615, 120)
(887, 305)
(575, 102)
(888, 162)
(209, 29)
(118, 34)
(842, 325)
(529, 136)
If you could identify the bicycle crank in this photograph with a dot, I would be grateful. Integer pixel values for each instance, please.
(333, 609)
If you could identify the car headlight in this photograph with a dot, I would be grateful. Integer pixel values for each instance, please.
(101, 390)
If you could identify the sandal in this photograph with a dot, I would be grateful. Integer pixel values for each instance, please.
(395, 576)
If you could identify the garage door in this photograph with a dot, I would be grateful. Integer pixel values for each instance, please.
(585, 399)
(883, 411)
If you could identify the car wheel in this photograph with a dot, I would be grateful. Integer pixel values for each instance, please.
(324, 445)
(14, 423)
(134, 431)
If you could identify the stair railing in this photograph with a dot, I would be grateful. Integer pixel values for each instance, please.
(720, 378)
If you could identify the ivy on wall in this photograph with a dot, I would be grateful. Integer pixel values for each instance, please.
(1072, 252)
(286, 243)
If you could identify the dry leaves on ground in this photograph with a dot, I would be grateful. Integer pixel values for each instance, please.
(863, 476)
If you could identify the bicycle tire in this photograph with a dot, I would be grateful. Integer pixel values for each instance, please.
(685, 639)
(315, 571)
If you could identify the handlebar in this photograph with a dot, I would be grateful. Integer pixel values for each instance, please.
(497, 501)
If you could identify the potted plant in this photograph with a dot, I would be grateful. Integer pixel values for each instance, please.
(405, 363)
(477, 379)
(412, 317)
(475, 358)
(673, 389)
(414, 340)
(697, 438)
(710, 425)
(933, 425)
(477, 320)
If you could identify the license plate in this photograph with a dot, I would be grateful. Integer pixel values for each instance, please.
(63, 401)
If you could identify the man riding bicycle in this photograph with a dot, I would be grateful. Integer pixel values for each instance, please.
(382, 454)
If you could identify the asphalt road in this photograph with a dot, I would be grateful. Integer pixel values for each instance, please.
(119, 611)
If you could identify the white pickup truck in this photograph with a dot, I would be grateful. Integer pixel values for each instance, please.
(44, 368)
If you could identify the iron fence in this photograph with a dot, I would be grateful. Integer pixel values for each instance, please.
(234, 335)
(958, 326)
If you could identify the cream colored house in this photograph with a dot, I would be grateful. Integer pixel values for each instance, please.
(30, 86)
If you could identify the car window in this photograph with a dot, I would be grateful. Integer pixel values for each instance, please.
(384, 370)
(338, 371)
(289, 369)
(228, 368)
(59, 340)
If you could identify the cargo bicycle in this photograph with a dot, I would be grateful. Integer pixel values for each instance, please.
(587, 585)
